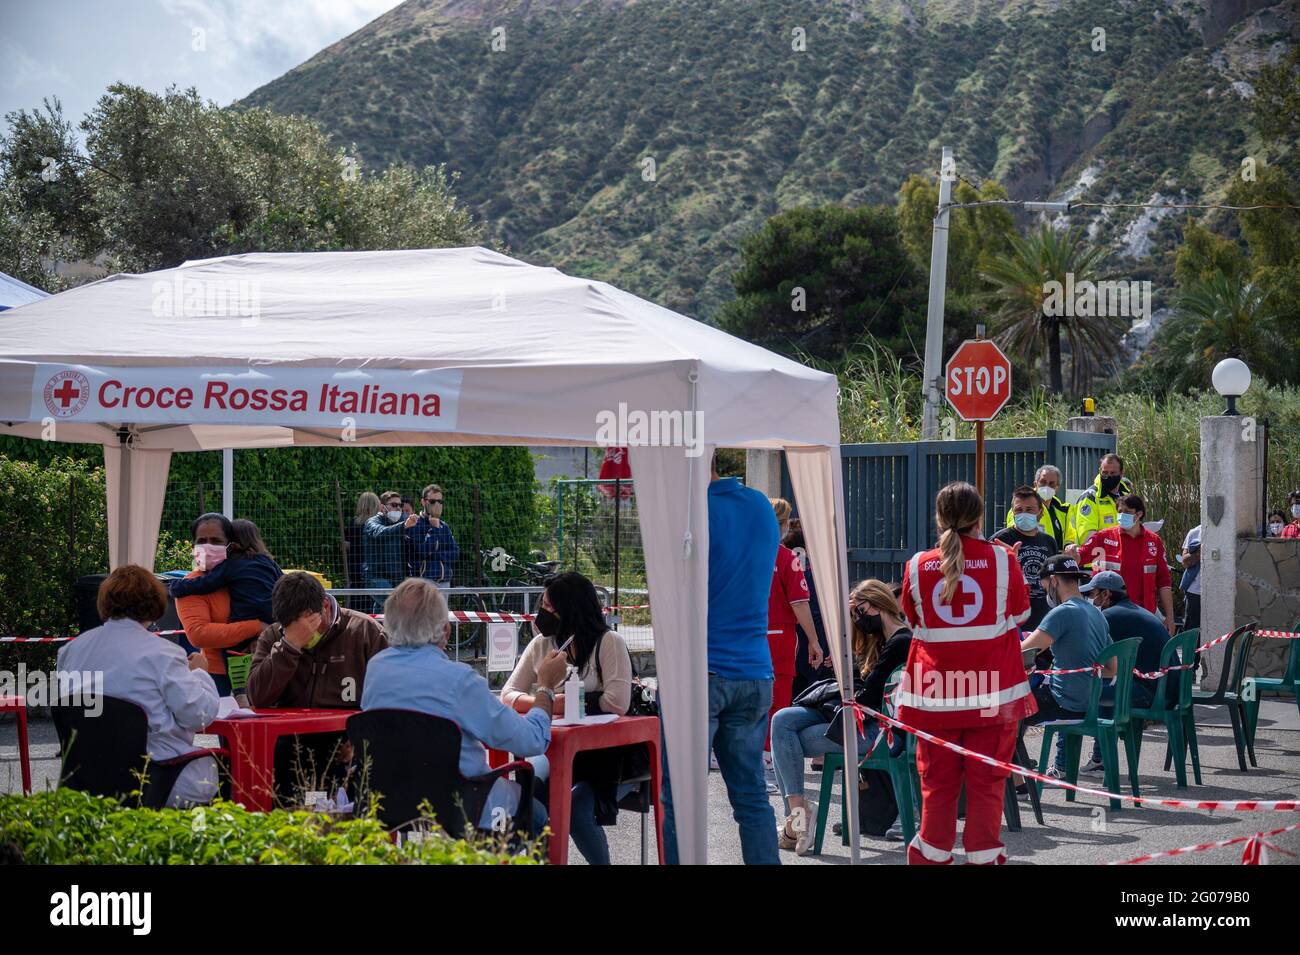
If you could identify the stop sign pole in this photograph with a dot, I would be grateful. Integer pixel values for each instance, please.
(977, 384)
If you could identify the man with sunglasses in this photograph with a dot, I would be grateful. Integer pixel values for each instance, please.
(433, 546)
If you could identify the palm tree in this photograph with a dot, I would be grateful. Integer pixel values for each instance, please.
(1223, 317)
(1023, 320)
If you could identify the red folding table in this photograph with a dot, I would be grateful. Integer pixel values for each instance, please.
(567, 742)
(251, 745)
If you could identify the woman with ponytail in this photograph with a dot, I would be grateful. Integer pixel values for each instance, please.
(964, 680)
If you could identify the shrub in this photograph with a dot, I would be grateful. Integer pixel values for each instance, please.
(66, 827)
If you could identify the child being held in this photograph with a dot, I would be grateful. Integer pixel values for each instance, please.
(244, 567)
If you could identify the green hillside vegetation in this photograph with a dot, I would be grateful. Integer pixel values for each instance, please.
(744, 117)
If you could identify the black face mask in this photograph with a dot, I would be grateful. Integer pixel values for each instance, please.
(868, 624)
(1109, 482)
(547, 623)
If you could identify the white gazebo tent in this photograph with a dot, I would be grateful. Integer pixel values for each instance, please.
(450, 346)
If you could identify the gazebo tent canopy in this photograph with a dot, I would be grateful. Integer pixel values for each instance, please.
(449, 346)
(14, 292)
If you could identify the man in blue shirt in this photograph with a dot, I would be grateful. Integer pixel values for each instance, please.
(414, 673)
(385, 537)
(433, 547)
(1126, 620)
(743, 538)
(1076, 632)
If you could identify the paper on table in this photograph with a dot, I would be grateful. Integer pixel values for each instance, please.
(228, 709)
(587, 720)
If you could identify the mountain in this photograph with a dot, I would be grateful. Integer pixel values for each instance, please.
(638, 142)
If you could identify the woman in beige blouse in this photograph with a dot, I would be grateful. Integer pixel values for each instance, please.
(571, 608)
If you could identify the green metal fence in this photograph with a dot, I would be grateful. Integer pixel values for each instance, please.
(889, 489)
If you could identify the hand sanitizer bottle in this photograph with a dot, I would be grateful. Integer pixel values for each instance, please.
(572, 696)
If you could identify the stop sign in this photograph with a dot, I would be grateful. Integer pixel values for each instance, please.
(977, 380)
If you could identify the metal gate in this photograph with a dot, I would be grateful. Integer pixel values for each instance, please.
(889, 489)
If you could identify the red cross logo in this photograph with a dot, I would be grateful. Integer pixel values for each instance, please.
(66, 394)
(967, 602)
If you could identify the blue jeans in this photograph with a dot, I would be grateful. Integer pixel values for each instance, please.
(737, 732)
(797, 734)
(583, 829)
(373, 583)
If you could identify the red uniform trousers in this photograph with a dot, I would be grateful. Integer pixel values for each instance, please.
(942, 774)
(782, 647)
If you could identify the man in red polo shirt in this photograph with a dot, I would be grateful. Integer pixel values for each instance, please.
(1137, 555)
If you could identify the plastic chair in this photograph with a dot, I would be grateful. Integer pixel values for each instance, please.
(107, 754)
(1106, 732)
(1180, 725)
(1287, 683)
(1228, 693)
(901, 770)
(640, 800)
(17, 705)
(408, 757)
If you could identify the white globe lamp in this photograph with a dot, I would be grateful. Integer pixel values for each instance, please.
(1231, 378)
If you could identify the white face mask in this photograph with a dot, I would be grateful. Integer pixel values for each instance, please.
(1051, 594)
(1274, 530)
(1046, 493)
(1295, 510)
(394, 516)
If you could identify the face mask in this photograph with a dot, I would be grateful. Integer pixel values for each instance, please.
(1046, 493)
(868, 624)
(394, 516)
(207, 556)
(1127, 520)
(1295, 510)
(546, 623)
(1274, 530)
(1026, 523)
(1050, 593)
(1109, 482)
(315, 639)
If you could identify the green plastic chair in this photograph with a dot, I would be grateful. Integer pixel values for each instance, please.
(1106, 732)
(1232, 678)
(901, 770)
(1288, 683)
(1180, 725)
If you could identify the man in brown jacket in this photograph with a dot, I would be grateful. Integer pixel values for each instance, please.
(314, 655)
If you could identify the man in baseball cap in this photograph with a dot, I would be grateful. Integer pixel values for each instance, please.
(1076, 632)
(1126, 619)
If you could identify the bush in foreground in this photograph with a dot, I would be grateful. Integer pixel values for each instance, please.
(65, 827)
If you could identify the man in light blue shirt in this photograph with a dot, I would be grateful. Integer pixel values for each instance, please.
(414, 673)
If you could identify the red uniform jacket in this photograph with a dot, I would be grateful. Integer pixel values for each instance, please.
(789, 586)
(964, 667)
(1155, 569)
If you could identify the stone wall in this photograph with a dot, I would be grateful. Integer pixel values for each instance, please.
(1268, 590)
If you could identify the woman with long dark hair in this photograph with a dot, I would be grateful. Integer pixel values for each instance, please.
(570, 612)
(964, 680)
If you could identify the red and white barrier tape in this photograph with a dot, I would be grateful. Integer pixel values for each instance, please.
(1156, 674)
(1253, 854)
(1240, 805)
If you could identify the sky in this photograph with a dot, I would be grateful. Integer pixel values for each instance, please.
(74, 49)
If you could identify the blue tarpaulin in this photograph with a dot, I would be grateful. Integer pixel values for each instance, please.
(14, 293)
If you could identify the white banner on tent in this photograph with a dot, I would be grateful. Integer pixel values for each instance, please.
(392, 400)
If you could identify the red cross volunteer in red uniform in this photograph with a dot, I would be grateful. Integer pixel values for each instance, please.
(964, 681)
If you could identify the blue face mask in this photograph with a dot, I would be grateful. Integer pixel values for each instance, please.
(1026, 523)
(1127, 520)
